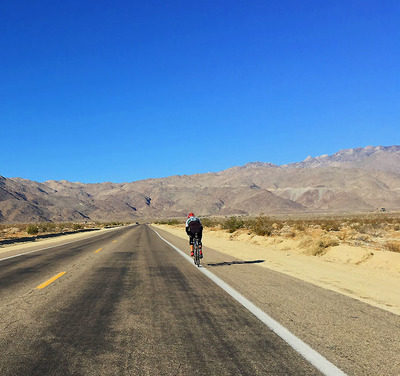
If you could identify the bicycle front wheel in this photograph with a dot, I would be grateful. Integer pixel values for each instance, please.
(196, 252)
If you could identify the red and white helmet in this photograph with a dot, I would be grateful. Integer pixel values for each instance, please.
(190, 215)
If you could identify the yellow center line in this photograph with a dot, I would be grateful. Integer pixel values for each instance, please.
(43, 285)
(114, 241)
(99, 250)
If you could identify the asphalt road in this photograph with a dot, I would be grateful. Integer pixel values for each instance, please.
(129, 304)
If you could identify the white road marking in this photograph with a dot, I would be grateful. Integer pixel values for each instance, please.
(312, 356)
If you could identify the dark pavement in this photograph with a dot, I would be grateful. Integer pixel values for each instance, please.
(136, 307)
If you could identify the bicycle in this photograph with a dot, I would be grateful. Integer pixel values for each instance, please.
(196, 250)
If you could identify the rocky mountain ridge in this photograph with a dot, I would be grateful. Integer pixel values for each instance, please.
(385, 158)
(360, 179)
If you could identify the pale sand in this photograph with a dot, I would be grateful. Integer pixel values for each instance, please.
(369, 276)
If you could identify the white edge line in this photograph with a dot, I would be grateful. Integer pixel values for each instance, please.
(43, 249)
(312, 356)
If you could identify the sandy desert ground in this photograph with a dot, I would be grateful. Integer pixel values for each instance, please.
(369, 276)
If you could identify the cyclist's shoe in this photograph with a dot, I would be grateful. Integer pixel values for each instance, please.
(191, 253)
(201, 254)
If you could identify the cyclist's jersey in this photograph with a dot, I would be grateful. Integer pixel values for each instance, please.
(193, 225)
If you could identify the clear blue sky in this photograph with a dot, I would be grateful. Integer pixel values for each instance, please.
(119, 91)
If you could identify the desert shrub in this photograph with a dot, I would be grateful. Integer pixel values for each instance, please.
(174, 221)
(62, 226)
(291, 234)
(393, 246)
(211, 222)
(278, 225)
(111, 224)
(232, 224)
(47, 227)
(363, 229)
(77, 226)
(32, 229)
(331, 243)
(321, 246)
(261, 226)
(344, 234)
(363, 238)
(19, 226)
(299, 225)
(171, 222)
(331, 225)
(306, 242)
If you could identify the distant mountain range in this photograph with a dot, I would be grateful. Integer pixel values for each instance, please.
(360, 179)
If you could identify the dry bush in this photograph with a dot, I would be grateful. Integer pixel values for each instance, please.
(170, 222)
(363, 238)
(298, 225)
(344, 234)
(317, 247)
(211, 222)
(290, 234)
(363, 229)
(322, 245)
(306, 243)
(356, 226)
(278, 225)
(32, 229)
(47, 227)
(331, 225)
(262, 226)
(15, 226)
(233, 224)
(393, 246)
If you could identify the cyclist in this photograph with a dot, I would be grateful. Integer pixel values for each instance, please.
(194, 226)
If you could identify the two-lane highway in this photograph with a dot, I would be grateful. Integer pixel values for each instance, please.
(135, 307)
(125, 302)
(27, 268)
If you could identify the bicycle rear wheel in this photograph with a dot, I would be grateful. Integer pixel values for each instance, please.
(196, 251)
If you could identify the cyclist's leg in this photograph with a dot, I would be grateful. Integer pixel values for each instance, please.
(191, 244)
(200, 243)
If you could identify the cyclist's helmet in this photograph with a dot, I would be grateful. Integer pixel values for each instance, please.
(190, 215)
